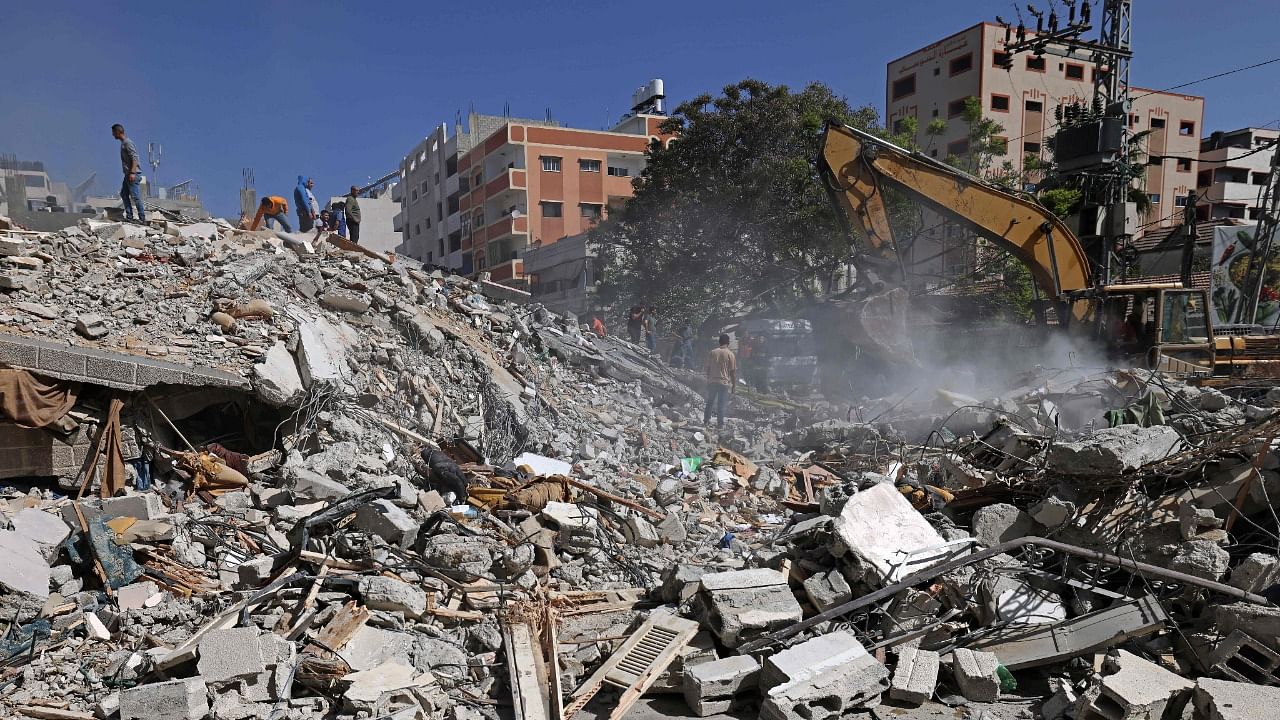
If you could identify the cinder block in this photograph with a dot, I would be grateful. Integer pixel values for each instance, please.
(153, 373)
(229, 654)
(916, 675)
(976, 674)
(721, 678)
(64, 362)
(113, 371)
(16, 352)
(185, 699)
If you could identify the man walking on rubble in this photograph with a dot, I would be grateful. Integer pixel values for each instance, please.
(272, 207)
(353, 215)
(722, 379)
(131, 186)
(305, 200)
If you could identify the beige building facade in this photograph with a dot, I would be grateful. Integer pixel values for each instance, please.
(1234, 167)
(934, 81)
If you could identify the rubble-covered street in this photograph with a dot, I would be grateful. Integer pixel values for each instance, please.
(260, 475)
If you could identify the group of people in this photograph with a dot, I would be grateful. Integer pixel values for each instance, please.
(339, 217)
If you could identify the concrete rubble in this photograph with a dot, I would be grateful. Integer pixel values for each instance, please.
(297, 480)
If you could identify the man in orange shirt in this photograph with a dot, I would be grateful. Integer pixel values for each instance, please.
(272, 207)
(722, 378)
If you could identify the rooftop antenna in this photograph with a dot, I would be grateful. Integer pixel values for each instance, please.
(548, 116)
(506, 110)
(153, 159)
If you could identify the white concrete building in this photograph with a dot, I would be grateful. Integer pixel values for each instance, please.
(1233, 170)
(377, 224)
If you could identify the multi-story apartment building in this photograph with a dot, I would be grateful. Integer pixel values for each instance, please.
(474, 201)
(934, 82)
(1234, 167)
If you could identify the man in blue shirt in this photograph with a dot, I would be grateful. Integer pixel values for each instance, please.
(131, 186)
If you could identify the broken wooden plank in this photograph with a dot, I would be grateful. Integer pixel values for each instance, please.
(339, 631)
(526, 674)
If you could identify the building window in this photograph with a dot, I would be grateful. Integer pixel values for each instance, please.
(1204, 178)
(589, 165)
(999, 103)
(899, 126)
(415, 194)
(1034, 106)
(1186, 128)
(424, 187)
(961, 64)
(1074, 71)
(1180, 201)
(1255, 213)
(1031, 148)
(428, 223)
(1035, 64)
(904, 87)
(999, 145)
(428, 257)
(1157, 123)
(591, 211)
(619, 171)
(955, 108)
(1184, 165)
(551, 209)
(935, 112)
(1001, 60)
(550, 163)
(1259, 178)
(958, 148)
(417, 229)
(1154, 198)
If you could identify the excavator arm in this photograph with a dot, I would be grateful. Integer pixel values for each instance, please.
(856, 166)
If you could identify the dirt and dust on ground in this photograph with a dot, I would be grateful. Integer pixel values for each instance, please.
(258, 475)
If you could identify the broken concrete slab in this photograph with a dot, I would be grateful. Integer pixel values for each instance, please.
(276, 380)
(1023, 646)
(321, 353)
(1113, 451)
(1201, 558)
(1257, 572)
(975, 674)
(185, 699)
(43, 528)
(882, 530)
(368, 686)
(24, 577)
(995, 524)
(827, 677)
(916, 675)
(309, 485)
(1136, 689)
(721, 678)
(827, 590)
(230, 654)
(1226, 700)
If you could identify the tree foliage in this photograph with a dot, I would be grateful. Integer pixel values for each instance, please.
(730, 216)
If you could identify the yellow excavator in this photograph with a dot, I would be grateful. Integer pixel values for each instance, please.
(1163, 326)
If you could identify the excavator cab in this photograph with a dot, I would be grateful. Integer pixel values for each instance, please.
(1161, 326)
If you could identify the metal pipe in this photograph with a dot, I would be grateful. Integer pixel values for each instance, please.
(930, 573)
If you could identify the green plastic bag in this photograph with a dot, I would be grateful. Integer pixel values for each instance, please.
(690, 465)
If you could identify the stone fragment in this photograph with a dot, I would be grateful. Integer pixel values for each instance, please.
(135, 596)
(276, 379)
(255, 573)
(1202, 558)
(42, 311)
(44, 529)
(999, 523)
(371, 647)
(24, 577)
(17, 281)
(1113, 451)
(641, 532)
(309, 485)
(975, 673)
(1052, 511)
(345, 301)
(321, 353)
(92, 327)
(1255, 573)
(710, 687)
(185, 699)
(1138, 688)
(740, 605)
(879, 527)
(384, 519)
(384, 593)
(367, 686)
(916, 675)
(95, 627)
(830, 676)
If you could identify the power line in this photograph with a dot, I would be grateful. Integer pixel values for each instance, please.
(1213, 77)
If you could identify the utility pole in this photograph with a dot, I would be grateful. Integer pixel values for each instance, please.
(153, 159)
(1190, 236)
(1091, 141)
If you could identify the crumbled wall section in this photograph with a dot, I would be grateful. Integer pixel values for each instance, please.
(117, 370)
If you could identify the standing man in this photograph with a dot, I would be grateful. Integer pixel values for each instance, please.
(272, 207)
(651, 328)
(722, 379)
(353, 215)
(131, 187)
(635, 323)
(305, 201)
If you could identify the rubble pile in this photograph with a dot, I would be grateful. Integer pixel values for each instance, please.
(262, 475)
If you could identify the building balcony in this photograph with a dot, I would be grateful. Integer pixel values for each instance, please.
(508, 179)
(507, 273)
(397, 222)
(452, 224)
(397, 192)
(451, 185)
(506, 227)
(1231, 192)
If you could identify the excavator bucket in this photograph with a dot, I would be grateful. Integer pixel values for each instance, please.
(875, 322)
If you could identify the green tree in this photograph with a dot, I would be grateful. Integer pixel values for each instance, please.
(730, 217)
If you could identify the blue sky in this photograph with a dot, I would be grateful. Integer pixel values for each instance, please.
(340, 91)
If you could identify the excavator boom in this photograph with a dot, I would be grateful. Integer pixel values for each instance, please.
(855, 164)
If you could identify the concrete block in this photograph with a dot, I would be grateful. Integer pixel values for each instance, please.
(827, 590)
(743, 604)
(838, 677)
(384, 519)
(1257, 572)
(321, 353)
(1244, 658)
(880, 527)
(975, 673)
(721, 678)
(641, 532)
(384, 593)
(1226, 700)
(810, 658)
(255, 573)
(1113, 451)
(916, 675)
(345, 301)
(230, 654)
(185, 699)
